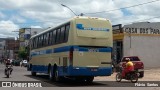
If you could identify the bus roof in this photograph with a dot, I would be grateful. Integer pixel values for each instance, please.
(76, 17)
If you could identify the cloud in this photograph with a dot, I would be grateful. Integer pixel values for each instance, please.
(36, 27)
(49, 10)
(17, 19)
(2, 16)
(139, 13)
(47, 13)
(7, 28)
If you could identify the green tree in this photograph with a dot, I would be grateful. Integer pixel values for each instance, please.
(22, 54)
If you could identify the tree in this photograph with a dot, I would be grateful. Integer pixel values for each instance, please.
(22, 54)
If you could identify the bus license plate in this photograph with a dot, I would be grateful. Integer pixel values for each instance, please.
(140, 70)
(93, 69)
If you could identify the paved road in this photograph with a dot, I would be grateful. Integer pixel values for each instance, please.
(21, 74)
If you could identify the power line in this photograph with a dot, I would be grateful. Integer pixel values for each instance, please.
(147, 19)
(143, 20)
(124, 7)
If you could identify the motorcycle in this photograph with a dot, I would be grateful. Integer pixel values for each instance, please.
(133, 76)
(8, 70)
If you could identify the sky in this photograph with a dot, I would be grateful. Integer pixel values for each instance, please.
(16, 14)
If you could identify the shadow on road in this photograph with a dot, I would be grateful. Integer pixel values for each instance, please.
(66, 83)
(6, 77)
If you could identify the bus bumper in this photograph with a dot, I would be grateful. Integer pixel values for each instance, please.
(85, 71)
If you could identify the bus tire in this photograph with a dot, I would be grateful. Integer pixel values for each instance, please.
(141, 74)
(58, 78)
(33, 73)
(51, 77)
(89, 79)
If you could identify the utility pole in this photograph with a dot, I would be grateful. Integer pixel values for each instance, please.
(69, 9)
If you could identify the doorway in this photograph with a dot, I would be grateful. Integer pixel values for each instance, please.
(117, 52)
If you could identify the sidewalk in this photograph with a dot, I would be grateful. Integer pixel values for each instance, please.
(149, 75)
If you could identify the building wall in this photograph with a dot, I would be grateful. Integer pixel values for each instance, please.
(146, 47)
(25, 34)
(11, 48)
(2, 45)
(145, 42)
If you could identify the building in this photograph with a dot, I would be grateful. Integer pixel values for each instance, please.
(24, 36)
(11, 48)
(2, 47)
(26, 33)
(138, 39)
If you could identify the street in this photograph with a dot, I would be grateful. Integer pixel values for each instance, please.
(99, 83)
(21, 74)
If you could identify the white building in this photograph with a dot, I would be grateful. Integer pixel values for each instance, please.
(140, 39)
(26, 33)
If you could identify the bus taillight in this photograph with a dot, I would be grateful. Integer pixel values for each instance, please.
(71, 56)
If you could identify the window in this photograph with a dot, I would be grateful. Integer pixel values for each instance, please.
(62, 34)
(39, 41)
(131, 59)
(66, 32)
(50, 38)
(47, 39)
(54, 36)
(42, 41)
(58, 35)
(31, 43)
(36, 40)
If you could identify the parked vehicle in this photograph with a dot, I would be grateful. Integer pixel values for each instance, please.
(138, 64)
(133, 76)
(24, 63)
(16, 62)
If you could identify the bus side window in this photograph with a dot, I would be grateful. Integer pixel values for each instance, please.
(47, 38)
(58, 35)
(39, 44)
(42, 38)
(33, 43)
(36, 39)
(50, 38)
(66, 32)
(54, 37)
(62, 34)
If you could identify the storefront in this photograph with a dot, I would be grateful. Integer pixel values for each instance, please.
(138, 39)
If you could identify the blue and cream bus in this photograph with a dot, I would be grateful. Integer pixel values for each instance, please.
(79, 48)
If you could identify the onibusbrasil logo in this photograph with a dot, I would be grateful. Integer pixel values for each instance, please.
(21, 84)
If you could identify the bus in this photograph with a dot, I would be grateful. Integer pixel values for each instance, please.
(79, 48)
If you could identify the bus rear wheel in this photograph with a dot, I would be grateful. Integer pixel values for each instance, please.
(51, 74)
(56, 75)
(89, 79)
(33, 73)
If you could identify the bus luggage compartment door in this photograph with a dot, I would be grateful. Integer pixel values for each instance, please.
(91, 56)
